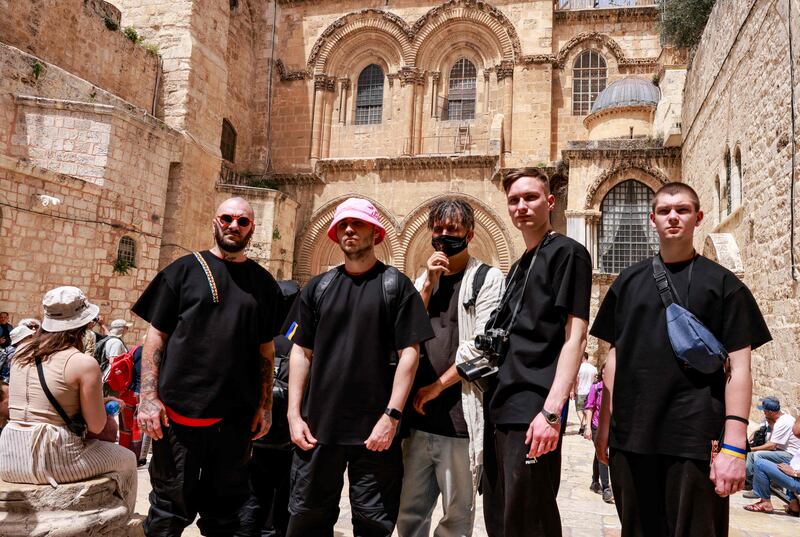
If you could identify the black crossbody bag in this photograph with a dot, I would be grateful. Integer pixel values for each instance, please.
(76, 425)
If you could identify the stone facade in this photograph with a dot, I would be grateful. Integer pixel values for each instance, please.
(738, 101)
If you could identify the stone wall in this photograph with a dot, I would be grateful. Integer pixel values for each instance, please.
(73, 35)
(738, 95)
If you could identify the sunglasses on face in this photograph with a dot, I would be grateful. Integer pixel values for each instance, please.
(227, 219)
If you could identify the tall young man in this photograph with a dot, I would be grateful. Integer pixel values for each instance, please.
(206, 384)
(357, 348)
(546, 311)
(659, 418)
(443, 454)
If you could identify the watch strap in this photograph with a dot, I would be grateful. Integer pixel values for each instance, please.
(393, 413)
(552, 419)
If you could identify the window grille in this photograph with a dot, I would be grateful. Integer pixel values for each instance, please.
(369, 96)
(227, 143)
(461, 91)
(589, 75)
(126, 253)
(626, 236)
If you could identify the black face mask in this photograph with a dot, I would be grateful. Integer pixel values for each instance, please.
(449, 245)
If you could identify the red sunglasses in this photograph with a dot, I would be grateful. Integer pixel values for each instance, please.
(227, 219)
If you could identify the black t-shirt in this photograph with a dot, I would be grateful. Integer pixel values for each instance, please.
(351, 370)
(212, 363)
(659, 407)
(5, 332)
(443, 415)
(559, 285)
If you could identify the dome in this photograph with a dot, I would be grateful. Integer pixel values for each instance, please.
(630, 91)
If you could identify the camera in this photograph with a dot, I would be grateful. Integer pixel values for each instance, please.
(493, 345)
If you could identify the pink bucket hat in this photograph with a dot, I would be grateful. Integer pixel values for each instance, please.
(360, 209)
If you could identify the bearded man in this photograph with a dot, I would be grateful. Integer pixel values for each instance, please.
(208, 393)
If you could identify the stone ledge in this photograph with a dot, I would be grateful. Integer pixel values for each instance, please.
(407, 163)
(86, 508)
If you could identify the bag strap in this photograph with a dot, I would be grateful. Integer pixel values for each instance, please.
(477, 283)
(662, 283)
(322, 287)
(390, 281)
(50, 397)
(209, 276)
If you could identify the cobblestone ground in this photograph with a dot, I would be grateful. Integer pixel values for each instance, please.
(583, 513)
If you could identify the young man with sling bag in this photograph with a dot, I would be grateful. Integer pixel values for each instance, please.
(673, 401)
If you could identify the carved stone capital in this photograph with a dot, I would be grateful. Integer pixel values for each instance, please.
(324, 82)
(391, 77)
(411, 75)
(435, 76)
(504, 70)
(344, 83)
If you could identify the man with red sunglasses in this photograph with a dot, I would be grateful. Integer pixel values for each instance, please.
(208, 393)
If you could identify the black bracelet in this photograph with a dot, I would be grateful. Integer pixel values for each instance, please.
(738, 418)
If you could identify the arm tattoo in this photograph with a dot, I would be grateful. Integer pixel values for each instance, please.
(267, 374)
(150, 366)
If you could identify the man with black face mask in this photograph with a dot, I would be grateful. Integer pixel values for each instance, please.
(443, 453)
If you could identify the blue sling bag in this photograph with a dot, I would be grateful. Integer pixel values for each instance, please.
(693, 344)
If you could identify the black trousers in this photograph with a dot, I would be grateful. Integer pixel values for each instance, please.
(266, 513)
(317, 479)
(519, 499)
(663, 496)
(199, 470)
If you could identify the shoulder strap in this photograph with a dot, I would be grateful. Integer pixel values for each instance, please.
(477, 283)
(49, 394)
(321, 288)
(662, 283)
(209, 276)
(390, 281)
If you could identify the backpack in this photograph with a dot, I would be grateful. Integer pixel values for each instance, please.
(390, 280)
(100, 351)
(477, 283)
(120, 373)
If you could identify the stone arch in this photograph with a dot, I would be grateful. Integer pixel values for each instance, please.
(644, 173)
(606, 43)
(359, 50)
(490, 232)
(316, 248)
(365, 21)
(431, 30)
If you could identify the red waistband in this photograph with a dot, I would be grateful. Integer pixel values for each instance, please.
(190, 422)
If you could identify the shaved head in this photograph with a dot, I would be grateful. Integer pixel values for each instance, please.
(236, 204)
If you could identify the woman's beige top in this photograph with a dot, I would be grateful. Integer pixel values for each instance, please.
(26, 398)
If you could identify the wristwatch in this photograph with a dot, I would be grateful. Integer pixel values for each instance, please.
(552, 419)
(393, 413)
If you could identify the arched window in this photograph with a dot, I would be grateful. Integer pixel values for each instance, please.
(728, 184)
(126, 253)
(589, 76)
(227, 143)
(369, 96)
(461, 91)
(626, 236)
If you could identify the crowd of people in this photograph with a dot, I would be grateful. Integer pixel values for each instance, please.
(455, 384)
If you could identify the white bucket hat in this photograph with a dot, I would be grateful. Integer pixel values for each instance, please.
(66, 308)
(19, 333)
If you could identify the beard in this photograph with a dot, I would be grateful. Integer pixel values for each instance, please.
(231, 242)
(358, 250)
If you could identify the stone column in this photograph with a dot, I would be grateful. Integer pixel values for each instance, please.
(583, 227)
(344, 88)
(408, 76)
(316, 122)
(328, 98)
(420, 102)
(505, 75)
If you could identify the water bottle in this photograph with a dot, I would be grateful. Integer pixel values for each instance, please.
(112, 408)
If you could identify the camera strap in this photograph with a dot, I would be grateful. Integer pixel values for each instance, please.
(507, 294)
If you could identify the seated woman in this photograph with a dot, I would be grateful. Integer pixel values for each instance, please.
(37, 446)
(783, 475)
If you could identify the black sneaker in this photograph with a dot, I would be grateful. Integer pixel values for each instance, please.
(595, 487)
(608, 496)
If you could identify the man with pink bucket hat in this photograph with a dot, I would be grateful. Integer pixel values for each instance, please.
(356, 346)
